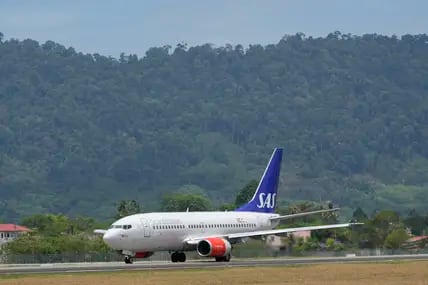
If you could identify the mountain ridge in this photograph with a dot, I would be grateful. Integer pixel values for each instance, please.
(81, 131)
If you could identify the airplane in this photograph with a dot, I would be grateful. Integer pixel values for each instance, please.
(210, 233)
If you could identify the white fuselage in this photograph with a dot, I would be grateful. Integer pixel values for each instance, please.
(168, 231)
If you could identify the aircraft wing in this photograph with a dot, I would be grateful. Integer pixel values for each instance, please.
(195, 240)
(303, 214)
(99, 231)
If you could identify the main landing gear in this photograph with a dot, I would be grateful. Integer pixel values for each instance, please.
(128, 259)
(223, 258)
(178, 257)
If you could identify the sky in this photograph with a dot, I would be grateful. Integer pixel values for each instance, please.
(133, 26)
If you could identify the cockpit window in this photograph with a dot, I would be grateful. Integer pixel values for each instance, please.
(125, 227)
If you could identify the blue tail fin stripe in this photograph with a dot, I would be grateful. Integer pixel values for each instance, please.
(268, 187)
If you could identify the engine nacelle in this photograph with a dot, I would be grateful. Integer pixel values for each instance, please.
(215, 247)
(143, 254)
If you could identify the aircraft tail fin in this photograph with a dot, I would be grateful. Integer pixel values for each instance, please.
(264, 199)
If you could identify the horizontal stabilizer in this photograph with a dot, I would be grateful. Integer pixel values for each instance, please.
(100, 232)
(291, 216)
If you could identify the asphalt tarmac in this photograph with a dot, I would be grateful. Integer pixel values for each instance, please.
(163, 265)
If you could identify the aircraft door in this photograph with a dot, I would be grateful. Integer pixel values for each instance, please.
(264, 223)
(147, 228)
(259, 222)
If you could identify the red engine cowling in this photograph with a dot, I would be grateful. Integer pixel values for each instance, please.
(143, 254)
(215, 247)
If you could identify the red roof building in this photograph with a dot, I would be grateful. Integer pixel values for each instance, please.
(9, 232)
(12, 228)
(417, 242)
(417, 238)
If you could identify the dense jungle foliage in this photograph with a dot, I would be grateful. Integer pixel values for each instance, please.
(81, 131)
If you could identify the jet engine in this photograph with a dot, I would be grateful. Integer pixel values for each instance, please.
(214, 247)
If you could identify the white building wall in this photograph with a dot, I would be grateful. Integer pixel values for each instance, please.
(7, 236)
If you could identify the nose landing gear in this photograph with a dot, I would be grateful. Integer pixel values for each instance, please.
(178, 257)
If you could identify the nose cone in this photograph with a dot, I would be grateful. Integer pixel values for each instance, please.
(112, 239)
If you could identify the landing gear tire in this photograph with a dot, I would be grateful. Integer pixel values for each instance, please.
(128, 260)
(227, 258)
(223, 258)
(178, 257)
(174, 257)
(181, 257)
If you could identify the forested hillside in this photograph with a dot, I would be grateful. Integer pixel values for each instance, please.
(79, 132)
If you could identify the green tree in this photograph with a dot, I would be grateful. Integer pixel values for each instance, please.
(84, 224)
(40, 244)
(330, 243)
(227, 207)
(57, 234)
(180, 202)
(246, 193)
(359, 215)
(396, 238)
(415, 222)
(126, 208)
(32, 244)
(48, 224)
(381, 225)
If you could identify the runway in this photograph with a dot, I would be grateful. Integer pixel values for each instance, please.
(162, 265)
